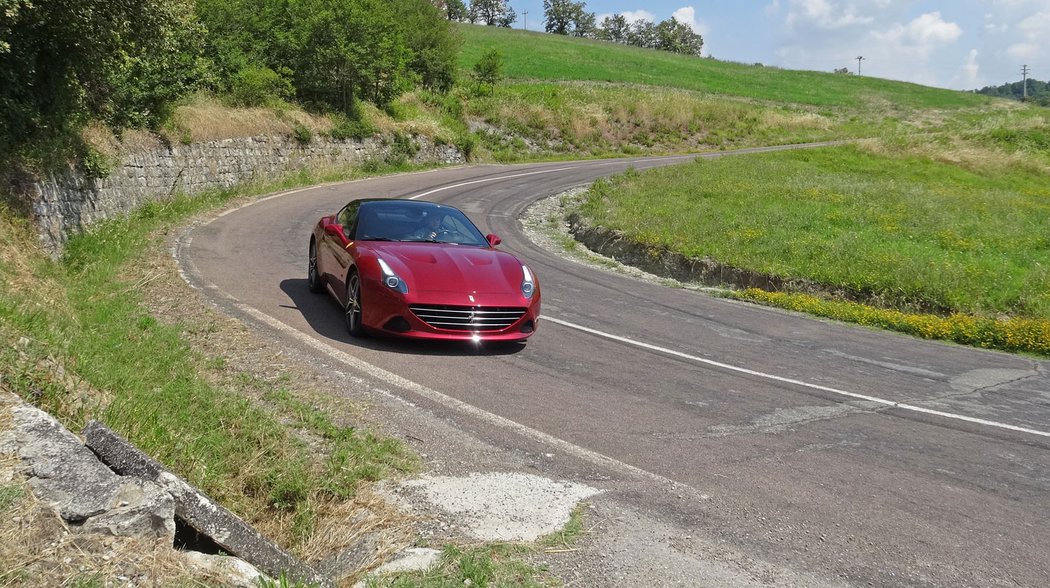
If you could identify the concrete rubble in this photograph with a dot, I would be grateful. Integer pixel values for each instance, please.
(93, 499)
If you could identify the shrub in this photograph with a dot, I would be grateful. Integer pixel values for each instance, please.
(346, 128)
(258, 85)
(302, 134)
(488, 71)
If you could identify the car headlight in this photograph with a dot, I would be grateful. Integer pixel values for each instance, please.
(528, 285)
(390, 279)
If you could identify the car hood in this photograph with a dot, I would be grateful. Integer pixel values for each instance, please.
(437, 267)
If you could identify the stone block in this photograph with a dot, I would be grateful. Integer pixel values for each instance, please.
(200, 512)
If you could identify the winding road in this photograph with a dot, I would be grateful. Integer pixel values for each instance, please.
(850, 456)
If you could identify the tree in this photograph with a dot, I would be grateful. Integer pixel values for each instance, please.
(508, 18)
(643, 34)
(433, 41)
(456, 10)
(677, 37)
(492, 12)
(565, 17)
(558, 16)
(614, 28)
(350, 49)
(335, 52)
(488, 71)
(63, 62)
(583, 23)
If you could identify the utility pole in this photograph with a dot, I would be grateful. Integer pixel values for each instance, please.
(859, 59)
(525, 20)
(1024, 82)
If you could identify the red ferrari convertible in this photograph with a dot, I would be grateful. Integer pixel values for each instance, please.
(421, 270)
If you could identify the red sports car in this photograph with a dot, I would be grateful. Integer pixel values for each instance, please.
(421, 270)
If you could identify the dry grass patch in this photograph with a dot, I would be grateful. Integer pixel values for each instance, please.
(367, 520)
(956, 151)
(104, 141)
(20, 259)
(795, 120)
(207, 119)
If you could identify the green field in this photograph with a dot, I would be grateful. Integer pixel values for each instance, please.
(904, 230)
(539, 56)
(941, 209)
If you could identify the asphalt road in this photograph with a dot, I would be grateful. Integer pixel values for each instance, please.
(744, 420)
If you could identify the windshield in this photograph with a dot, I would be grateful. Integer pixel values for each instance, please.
(425, 222)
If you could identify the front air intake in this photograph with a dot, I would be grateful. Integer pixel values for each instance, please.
(467, 318)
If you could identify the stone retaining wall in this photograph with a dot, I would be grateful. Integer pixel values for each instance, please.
(66, 203)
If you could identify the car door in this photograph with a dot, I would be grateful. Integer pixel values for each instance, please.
(335, 256)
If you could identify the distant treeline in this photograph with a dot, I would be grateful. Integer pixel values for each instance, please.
(127, 64)
(1038, 92)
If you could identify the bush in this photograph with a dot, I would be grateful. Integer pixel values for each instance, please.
(402, 150)
(257, 85)
(488, 71)
(346, 128)
(302, 135)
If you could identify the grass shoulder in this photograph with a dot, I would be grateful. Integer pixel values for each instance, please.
(110, 332)
(901, 241)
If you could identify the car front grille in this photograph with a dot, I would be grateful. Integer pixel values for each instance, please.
(467, 318)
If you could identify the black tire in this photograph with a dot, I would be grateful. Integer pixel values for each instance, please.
(352, 310)
(313, 280)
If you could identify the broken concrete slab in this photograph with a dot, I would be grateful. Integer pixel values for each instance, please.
(200, 512)
(139, 508)
(234, 572)
(68, 477)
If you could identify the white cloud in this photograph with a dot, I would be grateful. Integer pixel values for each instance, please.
(823, 14)
(687, 15)
(633, 16)
(924, 32)
(1035, 25)
(969, 74)
(1028, 51)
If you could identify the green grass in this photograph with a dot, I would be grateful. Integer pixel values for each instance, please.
(901, 229)
(495, 566)
(594, 119)
(81, 344)
(539, 56)
(9, 495)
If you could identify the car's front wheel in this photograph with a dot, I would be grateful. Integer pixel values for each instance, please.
(313, 280)
(352, 310)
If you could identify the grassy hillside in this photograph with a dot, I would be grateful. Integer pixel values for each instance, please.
(539, 56)
(941, 209)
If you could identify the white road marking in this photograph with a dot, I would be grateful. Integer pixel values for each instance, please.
(532, 173)
(851, 395)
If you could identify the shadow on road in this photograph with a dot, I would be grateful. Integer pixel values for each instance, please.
(325, 317)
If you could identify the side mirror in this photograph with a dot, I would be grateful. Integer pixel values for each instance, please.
(493, 240)
(335, 230)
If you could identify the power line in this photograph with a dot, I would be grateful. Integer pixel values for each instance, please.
(1024, 82)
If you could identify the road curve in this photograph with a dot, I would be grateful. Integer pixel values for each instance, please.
(855, 456)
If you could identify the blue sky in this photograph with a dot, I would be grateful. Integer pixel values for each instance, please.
(959, 44)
